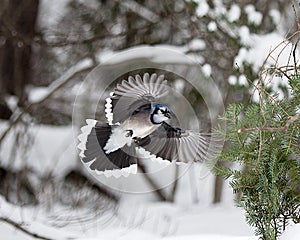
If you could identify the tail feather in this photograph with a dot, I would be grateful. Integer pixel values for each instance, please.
(92, 141)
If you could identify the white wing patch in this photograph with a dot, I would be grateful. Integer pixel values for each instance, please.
(117, 140)
(85, 131)
(119, 172)
(143, 153)
(108, 109)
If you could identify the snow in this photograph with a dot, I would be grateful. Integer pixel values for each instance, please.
(135, 220)
(260, 46)
(234, 13)
(219, 8)
(196, 44)
(232, 80)
(275, 15)
(253, 90)
(191, 216)
(11, 233)
(206, 68)
(51, 12)
(212, 26)
(33, 219)
(37, 93)
(243, 80)
(291, 233)
(245, 36)
(254, 16)
(159, 54)
(202, 8)
(174, 221)
(209, 237)
(265, 50)
(12, 102)
(52, 150)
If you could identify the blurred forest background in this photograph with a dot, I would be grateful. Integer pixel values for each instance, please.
(48, 47)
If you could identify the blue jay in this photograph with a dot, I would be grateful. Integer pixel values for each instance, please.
(137, 128)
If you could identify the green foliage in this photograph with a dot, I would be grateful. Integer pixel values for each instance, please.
(263, 146)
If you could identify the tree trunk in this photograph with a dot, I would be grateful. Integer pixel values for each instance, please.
(218, 188)
(17, 31)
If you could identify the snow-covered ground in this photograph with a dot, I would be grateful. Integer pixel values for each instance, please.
(134, 220)
(138, 216)
(190, 217)
(139, 221)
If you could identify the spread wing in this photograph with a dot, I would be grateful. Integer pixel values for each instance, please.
(175, 144)
(93, 138)
(133, 93)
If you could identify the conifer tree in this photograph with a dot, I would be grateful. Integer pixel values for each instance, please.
(262, 154)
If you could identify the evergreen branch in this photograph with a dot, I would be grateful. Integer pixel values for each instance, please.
(290, 141)
(270, 129)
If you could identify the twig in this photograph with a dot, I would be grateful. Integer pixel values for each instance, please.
(56, 85)
(272, 51)
(140, 10)
(261, 90)
(296, 15)
(270, 129)
(22, 229)
(294, 56)
(298, 29)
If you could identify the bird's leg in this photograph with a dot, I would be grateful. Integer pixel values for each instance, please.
(129, 133)
(137, 139)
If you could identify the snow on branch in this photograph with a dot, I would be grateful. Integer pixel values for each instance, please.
(79, 68)
(141, 10)
(82, 67)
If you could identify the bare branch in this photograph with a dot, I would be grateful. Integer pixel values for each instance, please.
(22, 229)
(141, 10)
(54, 87)
(296, 15)
(153, 184)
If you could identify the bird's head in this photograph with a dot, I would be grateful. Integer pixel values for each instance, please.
(160, 113)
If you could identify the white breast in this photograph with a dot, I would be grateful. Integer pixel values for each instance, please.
(141, 128)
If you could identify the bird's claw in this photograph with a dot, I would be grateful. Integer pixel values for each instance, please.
(129, 133)
(137, 139)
